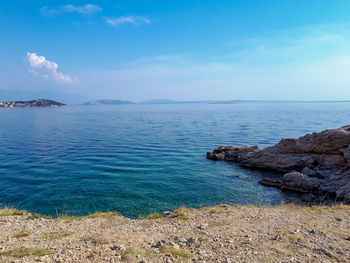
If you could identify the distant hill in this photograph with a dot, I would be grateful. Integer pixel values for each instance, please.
(107, 102)
(158, 101)
(31, 103)
(164, 101)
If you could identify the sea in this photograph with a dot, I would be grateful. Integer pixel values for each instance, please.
(139, 159)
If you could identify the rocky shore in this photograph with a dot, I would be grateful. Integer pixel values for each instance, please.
(317, 163)
(31, 103)
(224, 234)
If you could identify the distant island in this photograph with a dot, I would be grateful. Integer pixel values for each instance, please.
(222, 102)
(107, 102)
(31, 103)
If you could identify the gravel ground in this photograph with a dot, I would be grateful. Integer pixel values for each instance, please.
(286, 233)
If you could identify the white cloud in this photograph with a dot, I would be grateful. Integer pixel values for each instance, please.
(83, 10)
(41, 66)
(135, 20)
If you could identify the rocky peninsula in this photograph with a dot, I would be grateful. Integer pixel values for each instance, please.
(31, 103)
(317, 163)
(223, 234)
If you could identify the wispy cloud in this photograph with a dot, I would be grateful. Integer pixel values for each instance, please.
(135, 20)
(39, 65)
(88, 9)
(296, 46)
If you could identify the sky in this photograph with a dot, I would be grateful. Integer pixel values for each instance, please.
(180, 50)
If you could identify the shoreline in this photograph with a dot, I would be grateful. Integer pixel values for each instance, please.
(222, 234)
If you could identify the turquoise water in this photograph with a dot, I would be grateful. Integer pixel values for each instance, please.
(138, 159)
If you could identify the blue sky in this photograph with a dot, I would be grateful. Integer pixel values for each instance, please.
(183, 50)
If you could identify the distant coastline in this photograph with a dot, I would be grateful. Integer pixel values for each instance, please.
(31, 103)
(212, 102)
(222, 102)
(108, 102)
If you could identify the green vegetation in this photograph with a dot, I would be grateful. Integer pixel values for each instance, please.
(67, 218)
(176, 252)
(151, 216)
(296, 238)
(95, 239)
(37, 216)
(130, 255)
(180, 213)
(100, 215)
(26, 252)
(60, 217)
(56, 235)
(282, 251)
(11, 212)
(21, 234)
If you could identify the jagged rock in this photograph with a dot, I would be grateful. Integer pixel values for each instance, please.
(271, 182)
(347, 154)
(294, 181)
(190, 241)
(309, 171)
(322, 161)
(300, 182)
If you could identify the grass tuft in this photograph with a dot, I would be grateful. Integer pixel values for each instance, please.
(67, 218)
(282, 251)
(151, 216)
(56, 235)
(26, 252)
(100, 215)
(180, 213)
(95, 240)
(21, 234)
(176, 252)
(11, 212)
(296, 238)
(37, 216)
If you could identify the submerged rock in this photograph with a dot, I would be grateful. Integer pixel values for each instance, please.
(315, 163)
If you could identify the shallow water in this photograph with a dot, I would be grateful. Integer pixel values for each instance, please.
(138, 159)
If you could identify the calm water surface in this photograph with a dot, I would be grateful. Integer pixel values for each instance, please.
(138, 159)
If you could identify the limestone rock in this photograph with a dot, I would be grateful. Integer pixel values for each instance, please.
(301, 182)
(322, 161)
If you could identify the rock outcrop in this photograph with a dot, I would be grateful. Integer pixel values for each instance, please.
(31, 103)
(316, 163)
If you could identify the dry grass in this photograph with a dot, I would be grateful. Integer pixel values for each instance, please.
(100, 215)
(282, 251)
(26, 252)
(66, 219)
(181, 213)
(11, 212)
(296, 238)
(151, 216)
